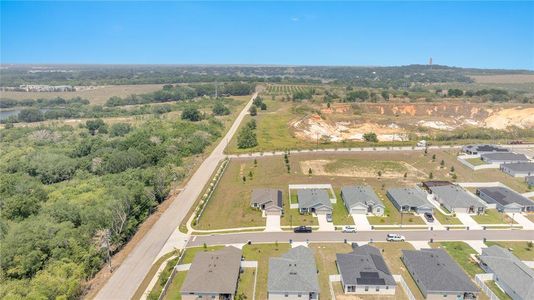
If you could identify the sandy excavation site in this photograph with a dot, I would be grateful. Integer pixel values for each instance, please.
(393, 121)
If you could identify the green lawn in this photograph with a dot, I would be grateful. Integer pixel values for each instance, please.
(163, 277)
(445, 219)
(190, 253)
(498, 292)
(476, 161)
(493, 216)
(262, 253)
(245, 286)
(519, 249)
(461, 252)
(173, 292)
(340, 214)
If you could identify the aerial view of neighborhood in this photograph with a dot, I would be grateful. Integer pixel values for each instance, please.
(136, 164)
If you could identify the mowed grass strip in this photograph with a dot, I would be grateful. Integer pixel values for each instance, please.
(493, 216)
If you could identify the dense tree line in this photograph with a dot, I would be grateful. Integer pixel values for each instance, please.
(65, 190)
(184, 92)
(42, 103)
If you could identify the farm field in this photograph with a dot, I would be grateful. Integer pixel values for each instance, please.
(98, 95)
(232, 196)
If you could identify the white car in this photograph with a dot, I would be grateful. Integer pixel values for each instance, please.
(349, 229)
(393, 237)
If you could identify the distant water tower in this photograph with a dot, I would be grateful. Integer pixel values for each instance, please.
(430, 63)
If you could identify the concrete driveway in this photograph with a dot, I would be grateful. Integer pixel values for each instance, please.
(436, 225)
(272, 223)
(361, 222)
(468, 221)
(521, 220)
(324, 225)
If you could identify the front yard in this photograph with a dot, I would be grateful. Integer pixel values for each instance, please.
(461, 253)
(493, 216)
(523, 250)
(446, 219)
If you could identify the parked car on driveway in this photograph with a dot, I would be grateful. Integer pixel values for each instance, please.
(349, 229)
(394, 237)
(329, 218)
(429, 217)
(303, 229)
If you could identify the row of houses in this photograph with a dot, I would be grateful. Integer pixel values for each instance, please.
(294, 274)
(363, 200)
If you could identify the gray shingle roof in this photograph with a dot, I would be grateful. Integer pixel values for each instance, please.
(484, 148)
(510, 270)
(267, 197)
(519, 167)
(456, 196)
(365, 265)
(435, 271)
(294, 271)
(505, 156)
(313, 197)
(412, 197)
(214, 272)
(505, 196)
(363, 194)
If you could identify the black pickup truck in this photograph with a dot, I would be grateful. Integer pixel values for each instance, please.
(303, 229)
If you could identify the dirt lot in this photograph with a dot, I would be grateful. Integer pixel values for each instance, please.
(509, 78)
(393, 121)
(97, 95)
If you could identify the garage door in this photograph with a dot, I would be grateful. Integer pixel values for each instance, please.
(358, 210)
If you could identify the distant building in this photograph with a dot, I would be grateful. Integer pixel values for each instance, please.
(409, 200)
(505, 200)
(213, 275)
(362, 200)
(364, 271)
(437, 275)
(293, 276)
(510, 273)
(314, 201)
(455, 199)
(267, 200)
(481, 149)
(504, 158)
(518, 169)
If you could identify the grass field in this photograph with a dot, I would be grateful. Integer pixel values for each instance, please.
(245, 286)
(476, 161)
(98, 95)
(519, 249)
(445, 219)
(493, 216)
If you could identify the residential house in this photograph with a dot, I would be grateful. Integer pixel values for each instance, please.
(505, 200)
(364, 271)
(267, 200)
(480, 149)
(518, 169)
(455, 199)
(213, 275)
(314, 201)
(293, 276)
(511, 274)
(409, 200)
(437, 275)
(432, 183)
(362, 200)
(504, 158)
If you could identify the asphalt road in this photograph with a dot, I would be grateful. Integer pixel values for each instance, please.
(127, 278)
(377, 236)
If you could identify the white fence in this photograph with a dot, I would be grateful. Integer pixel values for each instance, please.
(480, 281)
(407, 291)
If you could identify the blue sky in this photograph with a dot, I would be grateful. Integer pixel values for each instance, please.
(469, 34)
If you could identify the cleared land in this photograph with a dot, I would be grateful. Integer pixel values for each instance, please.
(508, 78)
(97, 95)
